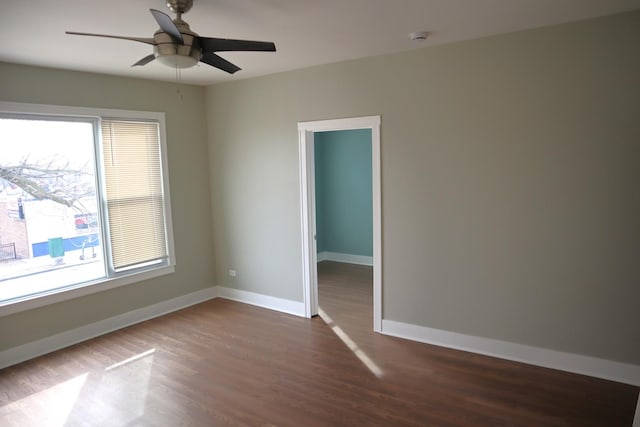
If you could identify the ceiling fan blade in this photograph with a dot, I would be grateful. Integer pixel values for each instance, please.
(219, 62)
(212, 44)
(135, 39)
(167, 25)
(145, 60)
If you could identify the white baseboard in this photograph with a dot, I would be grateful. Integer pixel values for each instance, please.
(348, 258)
(595, 367)
(260, 300)
(585, 365)
(64, 339)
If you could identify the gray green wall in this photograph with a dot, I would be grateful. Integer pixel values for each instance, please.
(344, 210)
(189, 180)
(510, 199)
(509, 184)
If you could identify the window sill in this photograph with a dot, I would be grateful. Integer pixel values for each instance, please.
(75, 291)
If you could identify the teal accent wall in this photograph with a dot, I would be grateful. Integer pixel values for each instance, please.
(319, 168)
(344, 215)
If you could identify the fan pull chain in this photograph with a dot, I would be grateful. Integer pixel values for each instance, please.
(178, 80)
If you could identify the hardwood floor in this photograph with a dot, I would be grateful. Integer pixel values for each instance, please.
(227, 363)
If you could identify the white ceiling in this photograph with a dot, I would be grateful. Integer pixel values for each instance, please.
(306, 32)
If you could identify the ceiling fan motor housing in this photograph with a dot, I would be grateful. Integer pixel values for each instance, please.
(174, 54)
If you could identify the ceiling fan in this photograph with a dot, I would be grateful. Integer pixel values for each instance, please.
(175, 45)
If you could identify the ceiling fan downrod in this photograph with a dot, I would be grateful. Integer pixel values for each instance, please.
(179, 6)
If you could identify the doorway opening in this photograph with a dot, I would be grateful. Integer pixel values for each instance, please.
(306, 132)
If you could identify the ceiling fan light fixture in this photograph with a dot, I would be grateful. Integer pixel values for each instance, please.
(175, 55)
(177, 61)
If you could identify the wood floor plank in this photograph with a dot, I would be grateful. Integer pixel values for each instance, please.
(226, 363)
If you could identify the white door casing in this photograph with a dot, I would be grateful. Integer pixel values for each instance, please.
(308, 212)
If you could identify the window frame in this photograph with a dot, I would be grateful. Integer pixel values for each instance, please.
(110, 281)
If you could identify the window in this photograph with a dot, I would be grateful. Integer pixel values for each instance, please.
(84, 202)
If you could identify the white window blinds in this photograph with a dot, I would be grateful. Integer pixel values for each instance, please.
(134, 192)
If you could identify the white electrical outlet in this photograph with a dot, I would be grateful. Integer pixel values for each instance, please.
(232, 273)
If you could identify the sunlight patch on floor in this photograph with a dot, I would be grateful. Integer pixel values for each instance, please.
(366, 360)
(131, 359)
(117, 394)
(125, 386)
(54, 405)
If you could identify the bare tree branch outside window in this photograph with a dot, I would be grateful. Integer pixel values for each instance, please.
(50, 179)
